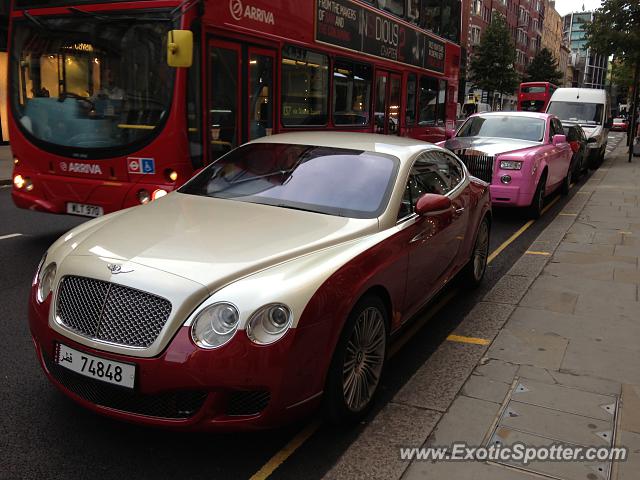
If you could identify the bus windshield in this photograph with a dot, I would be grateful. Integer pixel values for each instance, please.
(90, 83)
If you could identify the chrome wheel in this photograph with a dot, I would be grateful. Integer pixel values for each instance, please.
(364, 359)
(481, 251)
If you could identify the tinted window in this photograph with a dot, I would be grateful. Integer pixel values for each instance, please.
(504, 126)
(589, 113)
(334, 181)
(351, 93)
(428, 100)
(305, 87)
(433, 172)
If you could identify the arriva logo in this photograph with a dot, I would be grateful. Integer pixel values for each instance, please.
(239, 11)
(76, 167)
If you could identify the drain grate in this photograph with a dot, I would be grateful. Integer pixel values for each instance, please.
(538, 414)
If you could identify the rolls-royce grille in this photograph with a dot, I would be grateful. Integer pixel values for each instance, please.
(178, 405)
(110, 312)
(480, 166)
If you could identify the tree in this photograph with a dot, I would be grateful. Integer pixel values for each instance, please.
(492, 63)
(615, 31)
(544, 68)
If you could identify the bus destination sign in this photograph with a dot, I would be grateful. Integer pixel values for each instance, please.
(346, 24)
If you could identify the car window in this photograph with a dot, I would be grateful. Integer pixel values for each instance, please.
(432, 172)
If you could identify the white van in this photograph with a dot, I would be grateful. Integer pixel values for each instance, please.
(590, 109)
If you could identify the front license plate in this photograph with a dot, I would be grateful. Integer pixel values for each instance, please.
(84, 210)
(123, 374)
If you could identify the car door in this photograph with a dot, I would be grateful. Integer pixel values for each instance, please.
(554, 156)
(563, 152)
(434, 240)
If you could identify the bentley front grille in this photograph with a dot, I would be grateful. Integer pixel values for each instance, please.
(111, 313)
(480, 166)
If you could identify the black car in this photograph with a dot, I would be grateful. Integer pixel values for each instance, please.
(578, 141)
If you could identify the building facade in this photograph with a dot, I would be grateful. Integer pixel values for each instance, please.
(589, 68)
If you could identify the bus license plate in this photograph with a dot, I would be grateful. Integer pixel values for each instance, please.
(84, 210)
(117, 373)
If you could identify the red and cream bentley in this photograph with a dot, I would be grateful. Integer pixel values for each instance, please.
(268, 284)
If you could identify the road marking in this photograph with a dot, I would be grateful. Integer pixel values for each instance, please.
(289, 449)
(280, 457)
(568, 214)
(12, 235)
(472, 340)
(533, 252)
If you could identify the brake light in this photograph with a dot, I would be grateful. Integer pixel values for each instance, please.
(575, 146)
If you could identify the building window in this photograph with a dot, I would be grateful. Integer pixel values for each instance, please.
(476, 32)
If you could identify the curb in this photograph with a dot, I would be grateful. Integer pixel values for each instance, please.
(415, 400)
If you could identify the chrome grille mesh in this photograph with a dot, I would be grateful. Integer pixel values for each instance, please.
(480, 166)
(109, 312)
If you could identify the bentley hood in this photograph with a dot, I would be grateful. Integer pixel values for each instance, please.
(488, 145)
(211, 241)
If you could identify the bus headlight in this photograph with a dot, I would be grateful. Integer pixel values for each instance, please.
(171, 175)
(159, 193)
(144, 196)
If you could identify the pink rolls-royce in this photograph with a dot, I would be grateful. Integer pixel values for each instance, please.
(523, 155)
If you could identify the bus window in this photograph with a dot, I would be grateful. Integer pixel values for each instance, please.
(410, 111)
(260, 95)
(428, 101)
(442, 102)
(305, 87)
(223, 104)
(351, 93)
(395, 90)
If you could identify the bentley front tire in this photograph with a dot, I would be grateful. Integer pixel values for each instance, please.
(358, 362)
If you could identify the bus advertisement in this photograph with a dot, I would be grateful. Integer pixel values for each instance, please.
(535, 96)
(99, 121)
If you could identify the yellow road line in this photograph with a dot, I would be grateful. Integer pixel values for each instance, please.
(509, 241)
(568, 214)
(472, 340)
(280, 457)
(533, 252)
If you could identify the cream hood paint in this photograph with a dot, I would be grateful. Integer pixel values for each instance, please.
(213, 241)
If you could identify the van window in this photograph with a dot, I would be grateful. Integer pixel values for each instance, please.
(586, 113)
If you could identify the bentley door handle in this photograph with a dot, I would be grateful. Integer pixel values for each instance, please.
(459, 211)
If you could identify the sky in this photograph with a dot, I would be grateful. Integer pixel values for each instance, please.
(567, 6)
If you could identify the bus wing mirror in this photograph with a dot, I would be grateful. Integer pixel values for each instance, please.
(180, 48)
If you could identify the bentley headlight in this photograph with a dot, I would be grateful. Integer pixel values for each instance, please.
(45, 282)
(215, 325)
(269, 323)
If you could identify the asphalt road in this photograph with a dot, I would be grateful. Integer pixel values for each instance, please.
(46, 436)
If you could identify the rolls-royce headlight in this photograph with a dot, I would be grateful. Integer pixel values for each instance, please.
(269, 324)
(215, 325)
(45, 282)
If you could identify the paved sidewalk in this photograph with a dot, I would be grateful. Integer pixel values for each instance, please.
(6, 164)
(564, 363)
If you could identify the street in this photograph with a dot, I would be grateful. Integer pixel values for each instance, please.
(47, 436)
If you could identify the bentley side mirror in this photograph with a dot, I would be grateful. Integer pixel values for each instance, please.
(559, 139)
(431, 203)
(180, 48)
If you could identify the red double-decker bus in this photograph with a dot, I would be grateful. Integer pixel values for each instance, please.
(99, 121)
(535, 96)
